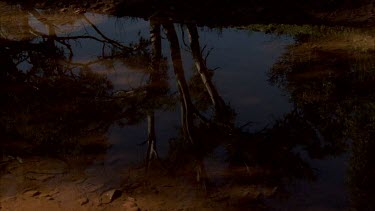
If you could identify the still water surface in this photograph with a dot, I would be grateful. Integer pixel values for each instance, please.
(182, 116)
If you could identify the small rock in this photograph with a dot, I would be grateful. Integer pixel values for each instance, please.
(109, 196)
(130, 206)
(45, 195)
(32, 193)
(83, 201)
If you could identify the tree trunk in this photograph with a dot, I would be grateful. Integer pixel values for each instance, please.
(186, 104)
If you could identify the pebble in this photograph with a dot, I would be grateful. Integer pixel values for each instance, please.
(83, 201)
(32, 193)
(130, 204)
(109, 196)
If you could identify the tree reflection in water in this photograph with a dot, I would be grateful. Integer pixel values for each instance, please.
(50, 99)
(53, 103)
(332, 91)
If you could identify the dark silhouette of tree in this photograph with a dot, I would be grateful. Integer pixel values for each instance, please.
(52, 101)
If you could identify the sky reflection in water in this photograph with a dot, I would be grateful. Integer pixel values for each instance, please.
(273, 112)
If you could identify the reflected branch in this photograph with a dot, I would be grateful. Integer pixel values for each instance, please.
(154, 76)
(151, 140)
(200, 64)
(111, 41)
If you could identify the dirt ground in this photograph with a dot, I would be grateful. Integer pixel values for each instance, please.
(38, 183)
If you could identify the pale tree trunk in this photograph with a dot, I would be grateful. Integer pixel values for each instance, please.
(200, 64)
(186, 104)
(154, 76)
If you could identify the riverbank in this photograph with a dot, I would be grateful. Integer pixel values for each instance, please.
(222, 13)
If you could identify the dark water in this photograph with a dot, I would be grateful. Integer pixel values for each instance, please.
(257, 117)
